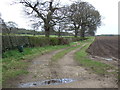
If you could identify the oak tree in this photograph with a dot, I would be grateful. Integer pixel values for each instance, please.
(42, 10)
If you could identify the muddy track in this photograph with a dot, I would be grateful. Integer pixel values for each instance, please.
(38, 70)
(42, 68)
(67, 67)
(63, 68)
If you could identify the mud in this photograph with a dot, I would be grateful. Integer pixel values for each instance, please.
(109, 61)
(105, 46)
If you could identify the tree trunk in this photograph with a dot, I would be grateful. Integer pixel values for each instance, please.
(47, 33)
(82, 32)
(76, 32)
(59, 33)
(47, 30)
(34, 33)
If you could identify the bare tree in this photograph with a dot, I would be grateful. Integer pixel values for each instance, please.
(82, 15)
(59, 28)
(72, 17)
(61, 22)
(90, 17)
(10, 25)
(43, 10)
(35, 26)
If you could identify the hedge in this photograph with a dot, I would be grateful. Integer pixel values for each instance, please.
(12, 42)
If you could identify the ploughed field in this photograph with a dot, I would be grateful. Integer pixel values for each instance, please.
(104, 46)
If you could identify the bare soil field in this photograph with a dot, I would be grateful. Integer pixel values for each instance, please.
(105, 47)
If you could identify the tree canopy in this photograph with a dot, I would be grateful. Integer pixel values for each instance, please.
(82, 16)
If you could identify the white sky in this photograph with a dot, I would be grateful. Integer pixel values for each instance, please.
(107, 8)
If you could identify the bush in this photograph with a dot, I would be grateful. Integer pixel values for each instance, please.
(38, 41)
(63, 41)
(83, 38)
(54, 41)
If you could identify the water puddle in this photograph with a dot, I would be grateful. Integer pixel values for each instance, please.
(107, 59)
(46, 82)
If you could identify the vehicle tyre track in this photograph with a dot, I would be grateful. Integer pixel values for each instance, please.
(42, 69)
(38, 70)
(67, 67)
(57, 68)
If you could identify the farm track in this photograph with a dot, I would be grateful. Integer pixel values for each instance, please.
(59, 69)
(43, 69)
(38, 70)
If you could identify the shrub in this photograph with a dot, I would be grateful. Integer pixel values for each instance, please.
(54, 41)
(63, 41)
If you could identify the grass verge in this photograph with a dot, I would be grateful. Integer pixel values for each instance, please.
(64, 52)
(73, 45)
(15, 63)
(95, 66)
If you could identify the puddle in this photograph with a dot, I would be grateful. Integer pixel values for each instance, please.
(46, 82)
(107, 59)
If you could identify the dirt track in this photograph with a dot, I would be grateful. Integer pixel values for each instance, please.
(42, 68)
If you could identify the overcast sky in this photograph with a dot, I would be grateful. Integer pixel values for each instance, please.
(107, 8)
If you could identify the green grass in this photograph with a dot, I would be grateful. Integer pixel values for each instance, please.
(92, 65)
(64, 52)
(15, 63)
